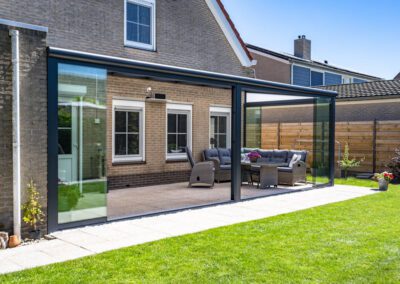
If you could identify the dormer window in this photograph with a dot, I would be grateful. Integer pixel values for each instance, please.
(140, 24)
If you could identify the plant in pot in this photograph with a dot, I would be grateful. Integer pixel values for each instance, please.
(32, 211)
(347, 163)
(253, 156)
(383, 180)
(394, 165)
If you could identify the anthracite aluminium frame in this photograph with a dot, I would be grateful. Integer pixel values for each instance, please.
(138, 69)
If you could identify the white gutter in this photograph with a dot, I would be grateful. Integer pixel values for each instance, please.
(16, 132)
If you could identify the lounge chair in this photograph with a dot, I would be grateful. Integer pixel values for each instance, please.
(202, 174)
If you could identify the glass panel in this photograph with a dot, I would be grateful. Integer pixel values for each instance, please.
(133, 144)
(132, 31)
(253, 127)
(132, 12)
(144, 34)
(172, 143)
(81, 173)
(213, 128)
(182, 142)
(64, 116)
(120, 144)
(120, 121)
(144, 15)
(321, 165)
(64, 141)
(171, 123)
(222, 124)
(222, 141)
(182, 123)
(133, 122)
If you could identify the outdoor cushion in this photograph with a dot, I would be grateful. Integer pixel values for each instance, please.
(211, 153)
(280, 156)
(303, 154)
(225, 167)
(285, 169)
(224, 156)
(295, 158)
(248, 150)
(265, 155)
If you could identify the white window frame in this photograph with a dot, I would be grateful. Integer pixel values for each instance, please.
(152, 5)
(221, 111)
(179, 109)
(127, 105)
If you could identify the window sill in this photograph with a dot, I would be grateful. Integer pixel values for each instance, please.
(151, 49)
(176, 160)
(125, 163)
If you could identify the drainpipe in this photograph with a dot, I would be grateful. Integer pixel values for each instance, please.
(16, 133)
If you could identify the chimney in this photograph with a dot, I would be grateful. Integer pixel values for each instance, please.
(302, 47)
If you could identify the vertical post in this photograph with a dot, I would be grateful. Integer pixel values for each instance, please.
(374, 146)
(16, 132)
(332, 124)
(244, 121)
(279, 135)
(52, 145)
(236, 179)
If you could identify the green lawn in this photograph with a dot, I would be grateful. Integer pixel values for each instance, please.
(356, 241)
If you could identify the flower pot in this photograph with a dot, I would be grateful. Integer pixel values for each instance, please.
(34, 234)
(253, 160)
(14, 241)
(383, 184)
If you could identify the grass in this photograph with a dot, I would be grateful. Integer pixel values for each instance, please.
(356, 241)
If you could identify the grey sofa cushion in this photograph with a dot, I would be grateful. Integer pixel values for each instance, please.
(211, 153)
(303, 155)
(285, 169)
(225, 167)
(280, 156)
(266, 156)
(248, 150)
(224, 156)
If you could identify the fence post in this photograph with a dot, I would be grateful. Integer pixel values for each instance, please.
(279, 135)
(374, 146)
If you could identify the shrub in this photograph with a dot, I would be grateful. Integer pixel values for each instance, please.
(394, 165)
(32, 210)
(68, 197)
(346, 163)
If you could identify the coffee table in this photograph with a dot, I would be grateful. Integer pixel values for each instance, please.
(268, 173)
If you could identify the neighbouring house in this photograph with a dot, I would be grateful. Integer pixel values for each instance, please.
(99, 101)
(397, 77)
(300, 69)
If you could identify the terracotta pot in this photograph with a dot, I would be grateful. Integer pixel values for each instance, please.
(253, 160)
(14, 241)
(383, 184)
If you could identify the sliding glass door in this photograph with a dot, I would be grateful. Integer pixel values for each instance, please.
(82, 182)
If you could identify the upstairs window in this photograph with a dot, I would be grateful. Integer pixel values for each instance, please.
(140, 24)
(317, 78)
(332, 79)
(301, 76)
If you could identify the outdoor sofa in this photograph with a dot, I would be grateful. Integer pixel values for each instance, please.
(293, 169)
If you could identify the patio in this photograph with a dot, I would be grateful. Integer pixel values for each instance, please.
(152, 199)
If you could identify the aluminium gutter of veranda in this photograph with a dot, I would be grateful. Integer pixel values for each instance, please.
(245, 83)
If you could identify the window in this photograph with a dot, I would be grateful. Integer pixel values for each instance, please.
(140, 23)
(317, 78)
(301, 76)
(332, 79)
(128, 131)
(219, 127)
(356, 80)
(179, 132)
(64, 129)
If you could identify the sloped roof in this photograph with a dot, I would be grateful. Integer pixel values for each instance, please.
(311, 63)
(397, 77)
(374, 89)
(230, 31)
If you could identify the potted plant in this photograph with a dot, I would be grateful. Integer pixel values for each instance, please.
(32, 211)
(253, 156)
(346, 163)
(383, 180)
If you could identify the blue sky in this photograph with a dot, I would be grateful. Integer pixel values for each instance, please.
(360, 35)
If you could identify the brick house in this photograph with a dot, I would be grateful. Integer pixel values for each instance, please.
(110, 94)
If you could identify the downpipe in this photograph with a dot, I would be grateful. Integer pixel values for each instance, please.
(16, 132)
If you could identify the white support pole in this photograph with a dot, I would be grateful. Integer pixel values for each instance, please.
(16, 133)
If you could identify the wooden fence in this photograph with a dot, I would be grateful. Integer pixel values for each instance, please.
(373, 141)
